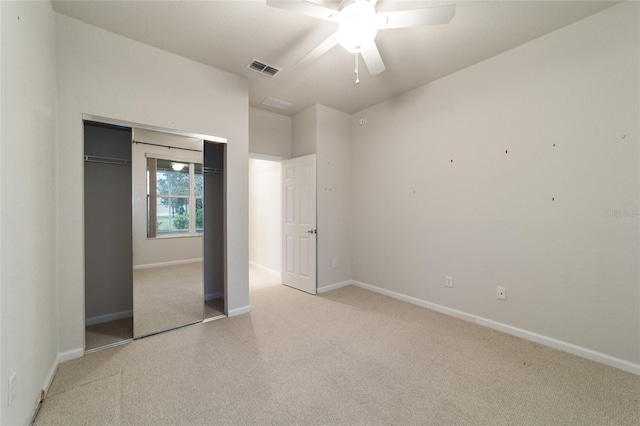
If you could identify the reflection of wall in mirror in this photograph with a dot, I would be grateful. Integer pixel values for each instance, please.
(161, 250)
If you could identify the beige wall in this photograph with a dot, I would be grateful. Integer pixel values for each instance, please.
(522, 172)
(28, 331)
(265, 213)
(334, 164)
(270, 137)
(304, 134)
(106, 75)
(326, 132)
(269, 133)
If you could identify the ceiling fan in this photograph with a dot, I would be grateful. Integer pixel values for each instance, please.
(358, 23)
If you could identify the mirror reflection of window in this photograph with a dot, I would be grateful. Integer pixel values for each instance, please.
(172, 188)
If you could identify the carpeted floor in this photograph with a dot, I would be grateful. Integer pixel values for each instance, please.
(346, 357)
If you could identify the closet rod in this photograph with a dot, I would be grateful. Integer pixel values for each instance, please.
(167, 146)
(107, 160)
(213, 170)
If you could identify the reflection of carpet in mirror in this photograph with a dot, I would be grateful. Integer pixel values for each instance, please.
(213, 308)
(166, 297)
(108, 332)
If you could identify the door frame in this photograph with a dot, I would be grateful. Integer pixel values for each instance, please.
(279, 160)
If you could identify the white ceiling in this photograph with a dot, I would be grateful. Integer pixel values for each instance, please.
(228, 34)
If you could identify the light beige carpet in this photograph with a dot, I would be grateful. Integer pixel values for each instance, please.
(348, 357)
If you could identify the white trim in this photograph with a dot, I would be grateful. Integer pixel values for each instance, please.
(171, 263)
(592, 355)
(45, 387)
(335, 286)
(108, 317)
(419, 302)
(51, 375)
(259, 266)
(211, 296)
(110, 345)
(217, 317)
(257, 156)
(70, 355)
(239, 311)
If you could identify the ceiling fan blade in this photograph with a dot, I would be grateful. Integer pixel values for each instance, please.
(417, 17)
(372, 59)
(305, 8)
(323, 48)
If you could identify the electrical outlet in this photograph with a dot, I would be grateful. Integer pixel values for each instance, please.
(448, 281)
(13, 383)
(334, 263)
(502, 293)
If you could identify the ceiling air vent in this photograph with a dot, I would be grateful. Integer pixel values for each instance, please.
(276, 103)
(263, 68)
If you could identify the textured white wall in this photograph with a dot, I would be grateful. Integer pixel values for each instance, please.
(28, 219)
(103, 74)
(303, 130)
(269, 133)
(265, 213)
(333, 165)
(326, 132)
(520, 171)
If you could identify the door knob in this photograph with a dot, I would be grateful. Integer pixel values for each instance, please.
(312, 231)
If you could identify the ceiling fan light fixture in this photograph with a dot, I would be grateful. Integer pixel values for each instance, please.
(178, 166)
(357, 26)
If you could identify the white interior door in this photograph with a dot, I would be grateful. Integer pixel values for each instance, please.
(299, 223)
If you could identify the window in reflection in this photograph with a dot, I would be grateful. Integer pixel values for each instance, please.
(172, 187)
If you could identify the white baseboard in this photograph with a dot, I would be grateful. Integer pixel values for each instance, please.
(45, 387)
(60, 358)
(108, 317)
(239, 311)
(524, 334)
(335, 286)
(211, 296)
(171, 263)
(51, 375)
(264, 268)
(70, 355)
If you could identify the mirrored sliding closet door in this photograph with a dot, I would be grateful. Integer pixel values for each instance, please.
(168, 229)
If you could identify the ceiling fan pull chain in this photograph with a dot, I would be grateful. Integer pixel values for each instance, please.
(357, 79)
